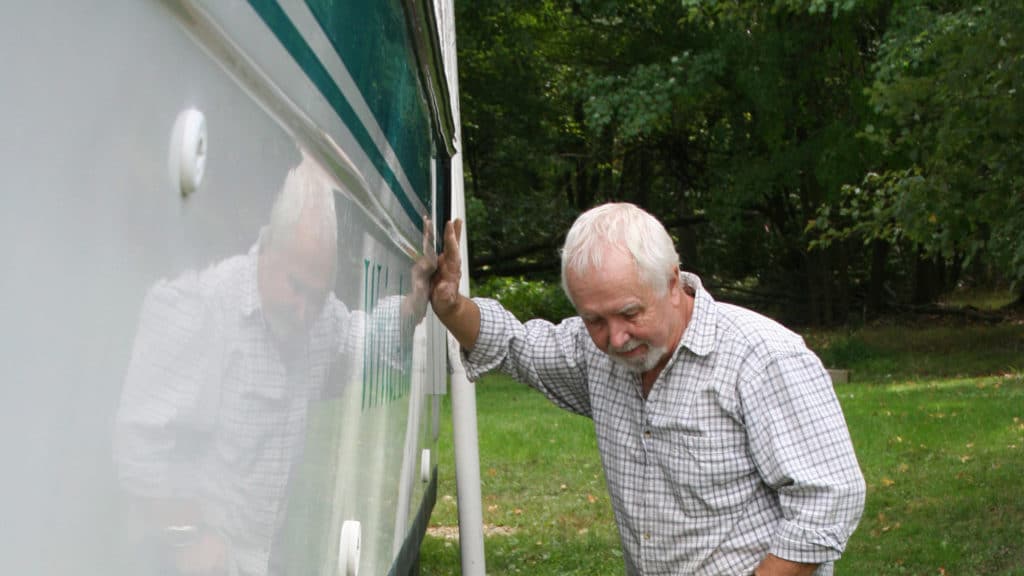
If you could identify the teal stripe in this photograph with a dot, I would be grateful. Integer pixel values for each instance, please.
(373, 40)
(286, 32)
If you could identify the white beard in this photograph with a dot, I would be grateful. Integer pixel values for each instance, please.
(640, 364)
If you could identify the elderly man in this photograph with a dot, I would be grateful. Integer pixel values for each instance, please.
(213, 413)
(724, 447)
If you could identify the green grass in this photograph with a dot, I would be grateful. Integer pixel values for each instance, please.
(937, 418)
(944, 463)
(542, 485)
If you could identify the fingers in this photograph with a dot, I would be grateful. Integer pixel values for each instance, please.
(444, 285)
(428, 236)
(451, 257)
(452, 234)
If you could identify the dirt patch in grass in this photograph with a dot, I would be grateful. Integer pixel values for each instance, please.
(451, 533)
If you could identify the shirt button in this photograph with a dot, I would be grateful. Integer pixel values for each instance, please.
(647, 433)
(647, 535)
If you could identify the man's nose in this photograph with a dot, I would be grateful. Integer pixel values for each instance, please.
(618, 333)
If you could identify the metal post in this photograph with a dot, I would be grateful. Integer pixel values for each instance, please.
(467, 469)
(467, 450)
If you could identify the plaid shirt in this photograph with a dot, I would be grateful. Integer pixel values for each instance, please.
(740, 449)
(212, 413)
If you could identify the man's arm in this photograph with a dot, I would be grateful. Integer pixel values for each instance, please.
(772, 565)
(799, 439)
(458, 313)
(193, 547)
(163, 424)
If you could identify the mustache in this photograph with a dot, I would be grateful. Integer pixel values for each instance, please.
(629, 346)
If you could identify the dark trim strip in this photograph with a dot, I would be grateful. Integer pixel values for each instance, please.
(409, 555)
(290, 37)
(422, 24)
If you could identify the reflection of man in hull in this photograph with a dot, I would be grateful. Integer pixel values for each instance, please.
(213, 412)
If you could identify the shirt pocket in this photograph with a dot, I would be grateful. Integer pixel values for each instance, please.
(710, 476)
(251, 420)
(244, 432)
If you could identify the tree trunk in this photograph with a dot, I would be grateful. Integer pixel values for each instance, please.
(603, 178)
(876, 285)
(643, 181)
(842, 309)
(926, 279)
(471, 164)
(584, 189)
(823, 275)
(1019, 302)
(687, 245)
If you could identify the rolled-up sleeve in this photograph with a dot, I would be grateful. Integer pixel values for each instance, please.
(800, 442)
(491, 347)
(544, 355)
(161, 418)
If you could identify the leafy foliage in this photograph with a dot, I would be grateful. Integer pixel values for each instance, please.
(775, 138)
(946, 91)
(527, 299)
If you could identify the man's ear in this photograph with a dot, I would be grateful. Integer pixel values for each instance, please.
(673, 286)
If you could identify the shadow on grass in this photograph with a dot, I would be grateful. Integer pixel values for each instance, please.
(914, 352)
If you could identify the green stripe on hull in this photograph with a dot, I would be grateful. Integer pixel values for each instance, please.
(372, 39)
(289, 36)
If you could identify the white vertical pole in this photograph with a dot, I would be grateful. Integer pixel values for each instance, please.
(467, 449)
(467, 471)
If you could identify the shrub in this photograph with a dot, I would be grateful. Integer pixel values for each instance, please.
(846, 352)
(527, 299)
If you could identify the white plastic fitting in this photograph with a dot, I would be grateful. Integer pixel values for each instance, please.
(348, 548)
(425, 465)
(188, 150)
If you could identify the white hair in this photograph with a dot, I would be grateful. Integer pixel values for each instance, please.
(627, 227)
(307, 196)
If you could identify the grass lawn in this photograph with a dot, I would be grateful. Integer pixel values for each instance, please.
(937, 418)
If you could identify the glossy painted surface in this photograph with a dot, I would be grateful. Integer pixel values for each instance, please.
(142, 393)
(374, 42)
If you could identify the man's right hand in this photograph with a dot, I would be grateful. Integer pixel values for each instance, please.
(444, 286)
(458, 313)
(206, 556)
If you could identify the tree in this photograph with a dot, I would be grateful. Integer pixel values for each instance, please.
(950, 120)
(512, 114)
(749, 127)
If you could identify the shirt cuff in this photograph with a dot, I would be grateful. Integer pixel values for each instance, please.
(490, 349)
(808, 545)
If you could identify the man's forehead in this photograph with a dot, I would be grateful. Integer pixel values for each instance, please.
(305, 243)
(612, 302)
(311, 259)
